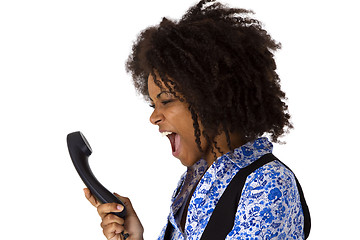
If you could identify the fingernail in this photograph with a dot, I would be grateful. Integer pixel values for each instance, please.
(120, 207)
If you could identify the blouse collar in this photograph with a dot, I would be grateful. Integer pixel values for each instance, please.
(240, 157)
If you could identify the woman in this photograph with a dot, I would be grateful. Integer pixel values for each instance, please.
(211, 80)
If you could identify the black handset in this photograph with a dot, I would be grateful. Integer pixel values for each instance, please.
(80, 150)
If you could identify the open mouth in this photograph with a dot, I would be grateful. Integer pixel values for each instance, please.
(174, 141)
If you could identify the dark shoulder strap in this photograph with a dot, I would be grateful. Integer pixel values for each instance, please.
(169, 228)
(222, 219)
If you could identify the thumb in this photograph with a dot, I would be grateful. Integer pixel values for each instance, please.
(127, 203)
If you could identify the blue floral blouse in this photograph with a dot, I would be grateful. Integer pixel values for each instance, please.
(269, 207)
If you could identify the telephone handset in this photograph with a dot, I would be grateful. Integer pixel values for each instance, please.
(80, 150)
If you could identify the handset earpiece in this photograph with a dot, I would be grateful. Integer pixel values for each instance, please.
(80, 150)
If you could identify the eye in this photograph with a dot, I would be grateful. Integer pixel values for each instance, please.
(166, 102)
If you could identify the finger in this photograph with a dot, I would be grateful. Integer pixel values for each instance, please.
(111, 218)
(126, 201)
(111, 230)
(91, 198)
(128, 205)
(107, 208)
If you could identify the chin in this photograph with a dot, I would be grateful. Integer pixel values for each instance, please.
(184, 162)
(187, 162)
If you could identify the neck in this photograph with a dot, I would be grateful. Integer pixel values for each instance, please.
(222, 146)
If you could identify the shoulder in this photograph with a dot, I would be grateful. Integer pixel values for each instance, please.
(271, 175)
(269, 184)
(270, 203)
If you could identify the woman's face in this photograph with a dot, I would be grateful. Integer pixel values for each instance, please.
(174, 119)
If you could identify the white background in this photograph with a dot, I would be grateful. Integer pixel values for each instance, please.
(62, 70)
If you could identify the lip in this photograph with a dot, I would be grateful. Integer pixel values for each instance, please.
(164, 130)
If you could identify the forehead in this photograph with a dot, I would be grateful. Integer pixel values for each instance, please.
(152, 86)
(155, 88)
(157, 84)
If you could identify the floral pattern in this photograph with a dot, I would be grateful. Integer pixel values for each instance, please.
(269, 207)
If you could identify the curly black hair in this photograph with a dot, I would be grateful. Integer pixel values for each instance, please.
(221, 62)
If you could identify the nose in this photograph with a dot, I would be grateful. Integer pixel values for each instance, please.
(156, 117)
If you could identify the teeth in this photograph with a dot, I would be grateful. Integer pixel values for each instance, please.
(164, 134)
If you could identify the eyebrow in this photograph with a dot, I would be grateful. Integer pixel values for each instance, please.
(158, 96)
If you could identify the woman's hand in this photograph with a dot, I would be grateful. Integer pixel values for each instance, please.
(111, 224)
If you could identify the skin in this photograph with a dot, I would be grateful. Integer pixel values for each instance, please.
(172, 115)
